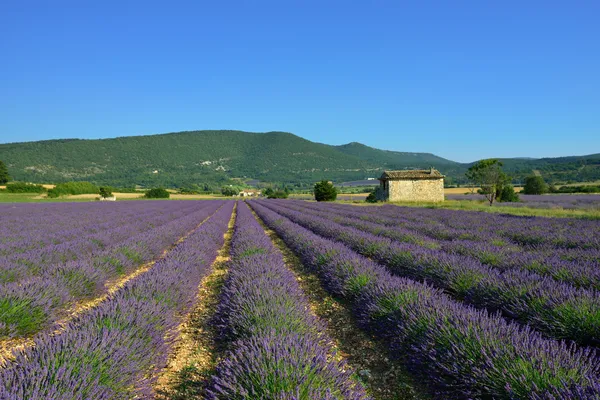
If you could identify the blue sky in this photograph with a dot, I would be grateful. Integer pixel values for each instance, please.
(462, 79)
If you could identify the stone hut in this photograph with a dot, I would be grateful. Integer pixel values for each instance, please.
(412, 185)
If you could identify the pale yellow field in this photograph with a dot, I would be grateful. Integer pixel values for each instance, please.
(463, 190)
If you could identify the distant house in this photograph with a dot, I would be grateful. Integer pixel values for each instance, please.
(412, 185)
(249, 193)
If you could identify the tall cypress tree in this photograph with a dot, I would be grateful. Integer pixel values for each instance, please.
(4, 177)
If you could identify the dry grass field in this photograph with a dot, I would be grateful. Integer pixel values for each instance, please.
(463, 190)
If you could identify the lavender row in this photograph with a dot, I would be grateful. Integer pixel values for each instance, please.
(558, 310)
(97, 243)
(574, 266)
(60, 223)
(461, 351)
(563, 233)
(34, 304)
(115, 350)
(277, 349)
(566, 201)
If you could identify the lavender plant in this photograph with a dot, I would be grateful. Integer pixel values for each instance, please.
(463, 352)
(114, 350)
(277, 349)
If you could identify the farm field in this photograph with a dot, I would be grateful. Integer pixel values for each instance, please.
(288, 299)
(36, 198)
(564, 201)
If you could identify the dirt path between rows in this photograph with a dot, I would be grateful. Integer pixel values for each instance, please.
(10, 346)
(195, 352)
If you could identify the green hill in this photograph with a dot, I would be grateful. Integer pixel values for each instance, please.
(214, 157)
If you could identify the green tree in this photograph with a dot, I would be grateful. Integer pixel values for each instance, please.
(105, 192)
(488, 175)
(229, 190)
(508, 194)
(535, 185)
(268, 192)
(157, 193)
(4, 177)
(325, 191)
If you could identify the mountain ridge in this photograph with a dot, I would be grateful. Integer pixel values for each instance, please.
(195, 157)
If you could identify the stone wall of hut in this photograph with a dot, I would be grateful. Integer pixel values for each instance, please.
(415, 190)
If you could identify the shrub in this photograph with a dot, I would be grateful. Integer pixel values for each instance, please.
(229, 191)
(278, 194)
(4, 177)
(157, 193)
(375, 195)
(22, 187)
(535, 185)
(67, 188)
(325, 191)
(105, 192)
(508, 194)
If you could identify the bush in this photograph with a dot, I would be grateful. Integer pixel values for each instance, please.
(325, 191)
(4, 177)
(229, 191)
(277, 194)
(67, 188)
(375, 195)
(157, 193)
(577, 189)
(508, 194)
(105, 192)
(22, 187)
(535, 185)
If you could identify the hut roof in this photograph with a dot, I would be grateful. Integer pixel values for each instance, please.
(411, 174)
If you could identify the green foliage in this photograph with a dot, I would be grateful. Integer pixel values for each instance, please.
(105, 192)
(230, 191)
(20, 316)
(375, 195)
(488, 174)
(157, 193)
(4, 177)
(576, 189)
(72, 188)
(278, 194)
(508, 194)
(325, 191)
(535, 185)
(23, 187)
(268, 192)
(210, 159)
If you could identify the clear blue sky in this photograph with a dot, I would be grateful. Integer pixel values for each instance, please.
(461, 79)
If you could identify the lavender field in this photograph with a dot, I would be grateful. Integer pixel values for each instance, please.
(565, 201)
(100, 301)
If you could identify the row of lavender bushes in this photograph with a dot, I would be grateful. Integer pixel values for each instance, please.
(461, 351)
(88, 239)
(556, 233)
(580, 267)
(33, 303)
(277, 348)
(566, 201)
(28, 226)
(115, 350)
(557, 309)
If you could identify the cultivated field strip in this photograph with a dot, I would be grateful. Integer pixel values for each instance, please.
(277, 348)
(462, 351)
(88, 243)
(52, 291)
(33, 226)
(112, 350)
(503, 242)
(557, 309)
